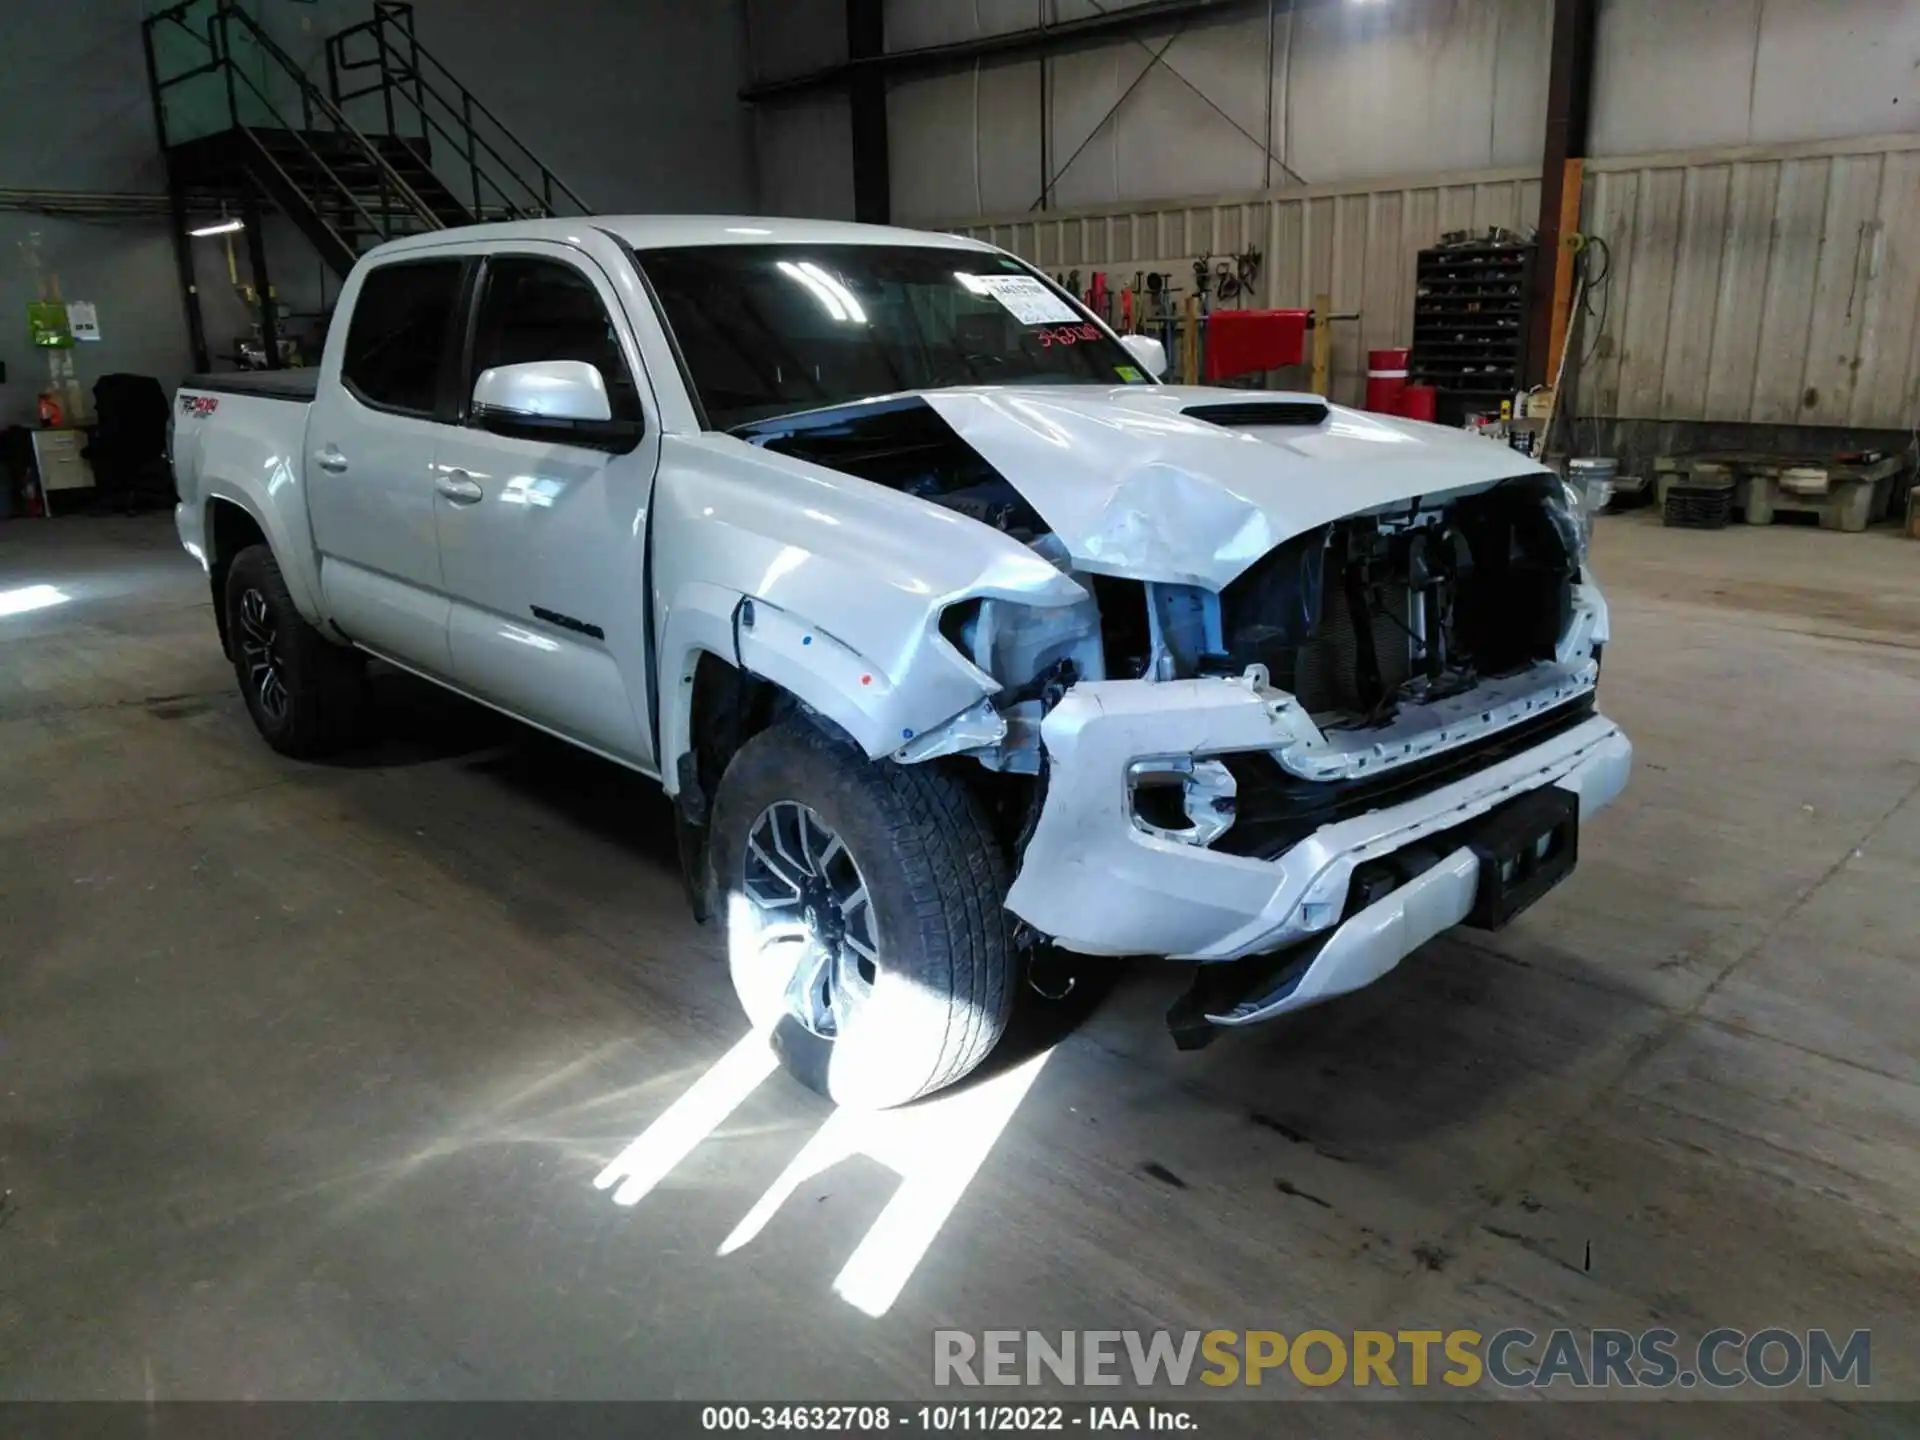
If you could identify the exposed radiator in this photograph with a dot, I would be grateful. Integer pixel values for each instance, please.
(1328, 678)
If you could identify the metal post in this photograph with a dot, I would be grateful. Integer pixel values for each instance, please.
(223, 53)
(262, 286)
(405, 23)
(473, 163)
(153, 86)
(1569, 104)
(177, 210)
(1322, 344)
(386, 73)
(867, 109)
(1046, 129)
(1266, 140)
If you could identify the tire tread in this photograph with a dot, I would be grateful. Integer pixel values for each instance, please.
(957, 883)
(326, 683)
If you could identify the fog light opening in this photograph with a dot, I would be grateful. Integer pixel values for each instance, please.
(1179, 798)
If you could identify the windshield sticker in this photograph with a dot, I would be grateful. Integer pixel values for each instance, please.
(1129, 374)
(1024, 298)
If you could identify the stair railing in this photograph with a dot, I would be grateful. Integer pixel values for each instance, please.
(409, 77)
(395, 194)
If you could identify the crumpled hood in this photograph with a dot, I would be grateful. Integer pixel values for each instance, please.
(1135, 488)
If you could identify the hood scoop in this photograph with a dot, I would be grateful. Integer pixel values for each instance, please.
(1247, 414)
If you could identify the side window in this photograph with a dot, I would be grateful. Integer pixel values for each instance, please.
(398, 334)
(546, 310)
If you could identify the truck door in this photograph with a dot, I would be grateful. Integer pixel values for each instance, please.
(542, 543)
(369, 473)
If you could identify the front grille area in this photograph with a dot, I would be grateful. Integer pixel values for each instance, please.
(1275, 810)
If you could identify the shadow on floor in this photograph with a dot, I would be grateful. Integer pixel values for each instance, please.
(1447, 1035)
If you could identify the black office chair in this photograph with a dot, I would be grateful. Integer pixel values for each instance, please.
(128, 449)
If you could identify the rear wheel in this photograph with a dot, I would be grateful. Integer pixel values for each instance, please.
(864, 904)
(304, 692)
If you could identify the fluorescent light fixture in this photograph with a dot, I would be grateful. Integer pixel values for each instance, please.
(221, 227)
(30, 597)
(820, 292)
(840, 292)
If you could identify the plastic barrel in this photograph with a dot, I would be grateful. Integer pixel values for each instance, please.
(1420, 402)
(1386, 380)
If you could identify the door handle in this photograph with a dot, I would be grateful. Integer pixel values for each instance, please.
(459, 487)
(331, 461)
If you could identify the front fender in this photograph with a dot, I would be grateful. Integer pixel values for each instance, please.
(846, 578)
(881, 711)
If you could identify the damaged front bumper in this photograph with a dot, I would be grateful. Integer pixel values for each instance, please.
(1096, 881)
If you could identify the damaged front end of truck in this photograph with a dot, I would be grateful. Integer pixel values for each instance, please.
(1329, 689)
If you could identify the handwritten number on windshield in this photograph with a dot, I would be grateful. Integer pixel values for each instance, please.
(1067, 335)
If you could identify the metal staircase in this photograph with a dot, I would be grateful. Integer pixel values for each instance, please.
(392, 145)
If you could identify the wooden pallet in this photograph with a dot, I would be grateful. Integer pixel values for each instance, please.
(1857, 494)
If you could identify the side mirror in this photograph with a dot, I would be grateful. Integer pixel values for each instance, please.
(1151, 354)
(564, 401)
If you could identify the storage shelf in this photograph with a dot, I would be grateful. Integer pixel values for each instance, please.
(1469, 324)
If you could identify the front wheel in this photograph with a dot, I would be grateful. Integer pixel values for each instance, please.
(864, 905)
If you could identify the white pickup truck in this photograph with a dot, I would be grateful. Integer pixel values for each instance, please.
(953, 633)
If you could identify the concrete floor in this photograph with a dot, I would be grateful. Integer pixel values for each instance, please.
(309, 1070)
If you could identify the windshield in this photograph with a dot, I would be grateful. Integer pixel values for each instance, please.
(768, 330)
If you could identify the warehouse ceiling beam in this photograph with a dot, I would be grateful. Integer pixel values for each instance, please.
(1569, 107)
(1038, 40)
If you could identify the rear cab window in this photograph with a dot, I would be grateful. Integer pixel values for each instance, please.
(400, 334)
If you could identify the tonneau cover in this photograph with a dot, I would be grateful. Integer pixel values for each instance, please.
(296, 385)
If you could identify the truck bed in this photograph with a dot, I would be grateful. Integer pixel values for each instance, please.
(298, 386)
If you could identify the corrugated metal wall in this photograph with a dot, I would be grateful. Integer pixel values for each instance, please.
(1773, 285)
(1357, 243)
